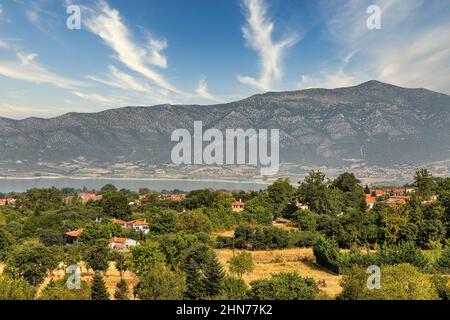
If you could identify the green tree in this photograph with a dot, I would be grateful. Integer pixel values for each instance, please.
(241, 264)
(161, 283)
(15, 289)
(283, 286)
(146, 257)
(347, 182)
(233, 289)
(194, 222)
(327, 253)
(115, 204)
(32, 261)
(98, 288)
(6, 242)
(97, 256)
(120, 263)
(257, 211)
(398, 282)
(443, 262)
(279, 195)
(204, 274)
(121, 290)
(424, 183)
(108, 188)
(39, 200)
(163, 222)
(57, 290)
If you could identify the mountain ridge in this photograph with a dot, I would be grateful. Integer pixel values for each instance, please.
(376, 123)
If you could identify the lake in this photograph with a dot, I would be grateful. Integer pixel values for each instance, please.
(21, 185)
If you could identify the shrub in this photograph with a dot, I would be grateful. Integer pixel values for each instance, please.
(283, 286)
(443, 262)
(327, 253)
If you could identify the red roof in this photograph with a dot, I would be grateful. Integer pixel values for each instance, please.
(238, 203)
(139, 223)
(370, 199)
(9, 200)
(118, 240)
(75, 234)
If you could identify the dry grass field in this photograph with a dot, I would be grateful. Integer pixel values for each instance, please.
(112, 277)
(287, 260)
(266, 263)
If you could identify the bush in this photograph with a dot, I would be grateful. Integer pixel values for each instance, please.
(443, 262)
(403, 253)
(327, 253)
(399, 282)
(233, 289)
(223, 242)
(15, 289)
(302, 239)
(283, 286)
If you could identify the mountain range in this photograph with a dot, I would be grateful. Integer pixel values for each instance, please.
(375, 123)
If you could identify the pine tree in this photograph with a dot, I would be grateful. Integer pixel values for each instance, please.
(98, 288)
(214, 276)
(122, 290)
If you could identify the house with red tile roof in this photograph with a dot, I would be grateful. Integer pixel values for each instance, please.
(4, 202)
(238, 206)
(72, 236)
(370, 201)
(118, 243)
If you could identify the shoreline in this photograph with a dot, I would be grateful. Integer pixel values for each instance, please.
(134, 179)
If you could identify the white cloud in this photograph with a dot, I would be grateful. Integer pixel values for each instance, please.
(258, 34)
(410, 50)
(122, 80)
(419, 61)
(3, 45)
(156, 57)
(108, 24)
(339, 79)
(94, 97)
(27, 69)
(202, 91)
(15, 110)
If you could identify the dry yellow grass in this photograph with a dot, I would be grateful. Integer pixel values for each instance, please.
(266, 263)
(112, 277)
(287, 260)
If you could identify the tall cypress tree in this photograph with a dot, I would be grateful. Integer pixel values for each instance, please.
(214, 275)
(122, 290)
(98, 288)
(204, 274)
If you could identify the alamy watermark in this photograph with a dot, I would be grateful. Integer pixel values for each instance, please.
(374, 20)
(232, 147)
(74, 280)
(74, 20)
(374, 280)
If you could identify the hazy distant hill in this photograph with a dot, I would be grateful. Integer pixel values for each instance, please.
(379, 123)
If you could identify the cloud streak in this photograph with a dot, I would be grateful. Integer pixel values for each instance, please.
(26, 68)
(258, 33)
(108, 24)
(202, 91)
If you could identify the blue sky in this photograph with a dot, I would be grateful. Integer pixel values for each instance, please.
(145, 52)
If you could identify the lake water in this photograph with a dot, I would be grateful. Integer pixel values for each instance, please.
(21, 185)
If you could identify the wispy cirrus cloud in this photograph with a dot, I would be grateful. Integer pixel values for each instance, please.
(258, 33)
(411, 49)
(107, 23)
(202, 91)
(25, 68)
(121, 80)
(156, 47)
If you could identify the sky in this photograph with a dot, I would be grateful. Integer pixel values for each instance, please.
(149, 52)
